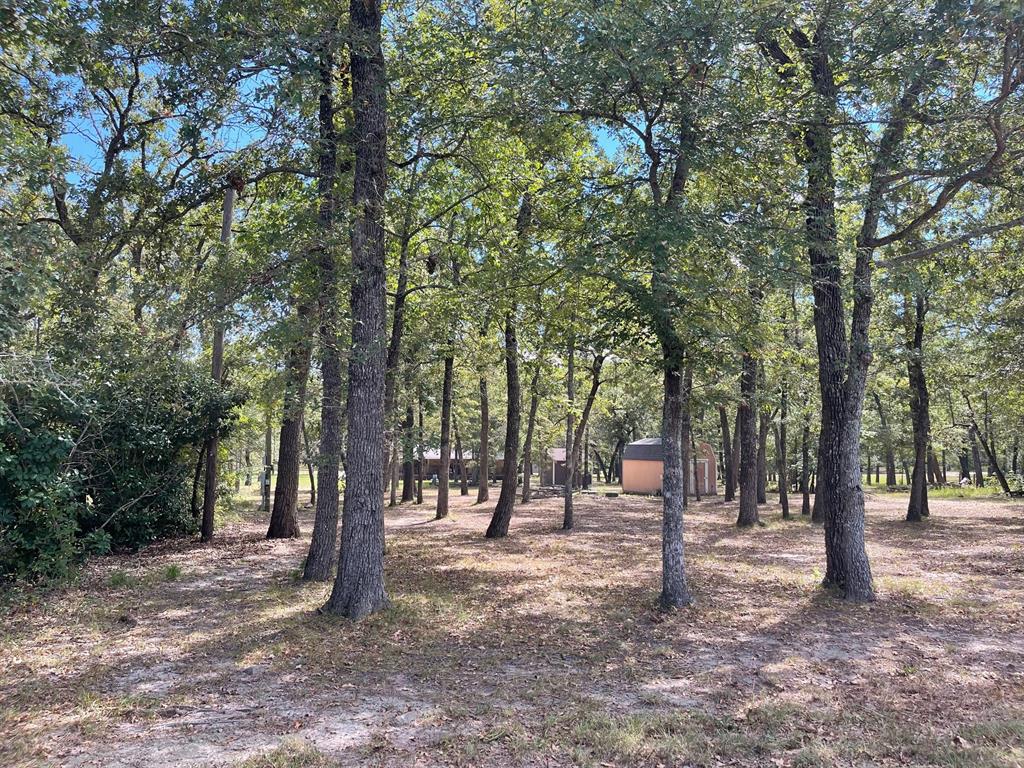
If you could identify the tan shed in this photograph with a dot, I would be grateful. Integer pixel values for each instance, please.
(642, 468)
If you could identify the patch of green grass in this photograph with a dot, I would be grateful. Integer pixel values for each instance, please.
(172, 572)
(290, 754)
(122, 580)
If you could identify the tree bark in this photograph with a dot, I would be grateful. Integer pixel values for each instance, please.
(570, 448)
(498, 527)
(979, 473)
(736, 441)
(675, 592)
(579, 442)
(917, 509)
(747, 419)
(729, 469)
(446, 438)
(284, 523)
(359, 586)
(217, 373)
(483, 491)
(322, 550)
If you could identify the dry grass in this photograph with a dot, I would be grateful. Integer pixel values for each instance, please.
(542, 649)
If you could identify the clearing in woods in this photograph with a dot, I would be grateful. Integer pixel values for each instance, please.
(542, 649)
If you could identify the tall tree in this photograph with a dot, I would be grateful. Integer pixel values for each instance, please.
(359, 586)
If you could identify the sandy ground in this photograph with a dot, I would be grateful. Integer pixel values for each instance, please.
(542, 649)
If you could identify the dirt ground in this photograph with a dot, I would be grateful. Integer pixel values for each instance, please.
(544, 649)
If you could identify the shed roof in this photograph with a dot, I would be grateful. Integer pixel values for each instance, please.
(649, 448)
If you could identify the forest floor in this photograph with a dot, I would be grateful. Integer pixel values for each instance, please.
(544, 649)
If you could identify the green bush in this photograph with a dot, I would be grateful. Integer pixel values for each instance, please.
(101, 461)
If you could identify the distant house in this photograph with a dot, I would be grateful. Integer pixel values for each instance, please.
(432, 465)
(553, 470)
(642, 468)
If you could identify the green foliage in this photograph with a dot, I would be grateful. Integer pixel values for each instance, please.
(98, 462)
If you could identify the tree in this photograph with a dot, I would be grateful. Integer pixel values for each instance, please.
(359, 586)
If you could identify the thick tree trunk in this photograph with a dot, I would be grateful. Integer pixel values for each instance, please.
(729, 469)
(507, 497)
(217, 373)
(917, 509)
(446, 438)
(570, 449)
(531, 423)
(675, 592)
(284, 522)
(359, 586)
(483, 491)
(747, 419)
(322, 546)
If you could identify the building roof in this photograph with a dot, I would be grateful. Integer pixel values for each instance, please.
(647, 449)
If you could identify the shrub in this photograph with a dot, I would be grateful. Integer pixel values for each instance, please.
(100, 460)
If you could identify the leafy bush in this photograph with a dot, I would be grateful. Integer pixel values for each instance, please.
(100, 461)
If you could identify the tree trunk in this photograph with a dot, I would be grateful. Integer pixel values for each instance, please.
(322, 546)
(979, 473)
(248, 473)
(675, 592)
(408, 476)
(483, 492)
(990, 452)
(284, 523)
(446, 438)
(782, 454)
(917, 509)
(805, 468)
(510, 469)
(419, 451)
(886, 435)
(570, 449)
(728, 468)
(359, 586)
(217, 373)
(460, 458)
(747, 419)
(579, 441)
(531, 423)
